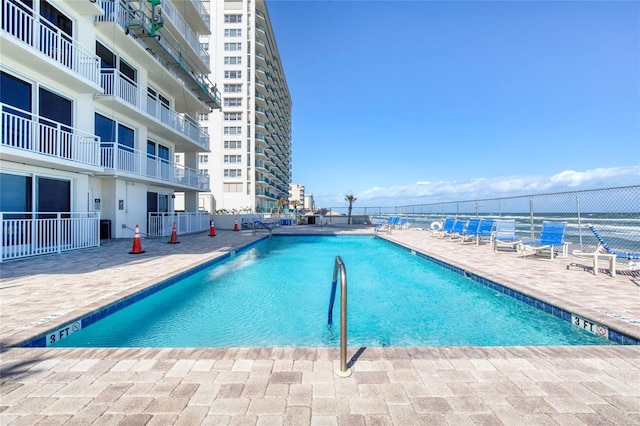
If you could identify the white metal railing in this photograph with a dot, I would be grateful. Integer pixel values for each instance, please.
(202, 10)
(170, 11)
(32, 234)
(114, 83)
(125, 159)
(22, 23)
(161, 224)
(114, 11)
(124, 15)
(29, 132)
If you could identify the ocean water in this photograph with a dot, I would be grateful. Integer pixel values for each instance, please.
(276, 294)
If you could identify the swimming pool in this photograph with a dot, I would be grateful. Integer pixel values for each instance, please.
(276, 293)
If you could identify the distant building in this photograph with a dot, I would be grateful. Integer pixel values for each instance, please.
(97, 97)
(308, 202)
(296, 193)
(250, 158)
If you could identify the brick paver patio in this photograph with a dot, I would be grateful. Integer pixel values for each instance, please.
(298, 386)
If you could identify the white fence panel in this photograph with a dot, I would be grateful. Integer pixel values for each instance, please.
(32, 234)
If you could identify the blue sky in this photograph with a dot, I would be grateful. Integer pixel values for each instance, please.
(408, 102)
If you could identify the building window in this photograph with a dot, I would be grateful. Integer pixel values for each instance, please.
(233, 102)
(233, 74)
(203, 159)
(233, 32)
(232, 19)
(232, 187)
(232, 116)
(203, 117)
(111, 133)
(232, 130)
(158, 105)
(55, 112)
(232, 172)
(129, 72)
(233, 158)
(56, 17)
(233, 60)
(232, 88)
(17, 195)
(232, 47)
(232, 144)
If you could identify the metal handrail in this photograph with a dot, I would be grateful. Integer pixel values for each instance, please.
(344, 371)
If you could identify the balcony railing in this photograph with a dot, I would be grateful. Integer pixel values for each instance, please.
(21, 22)
(29, 132)
(170, 11)
(122, 158)
(29, 234)
(201, 10)
(166, 49)
(116, 84)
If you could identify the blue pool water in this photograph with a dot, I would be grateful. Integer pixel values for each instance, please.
(276, 293)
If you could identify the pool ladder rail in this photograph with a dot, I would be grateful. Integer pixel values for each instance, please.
(256, 224)
(344, 370)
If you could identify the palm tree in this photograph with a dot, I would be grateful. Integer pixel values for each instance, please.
(351, 199)
(280, 203)
(294, 204)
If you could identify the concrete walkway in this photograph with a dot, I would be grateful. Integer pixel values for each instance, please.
(298, 386)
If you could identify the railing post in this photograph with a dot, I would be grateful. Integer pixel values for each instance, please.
(531, 233)
(579, 218)
(59, 232)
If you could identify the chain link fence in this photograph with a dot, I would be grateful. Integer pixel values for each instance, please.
(614, 212)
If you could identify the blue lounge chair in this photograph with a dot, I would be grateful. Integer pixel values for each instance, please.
(551, 236)
(505, 235)
(470, 231)
(610, 254)
(483, 230)
(394, 222)
(458, 228)
(439, 230)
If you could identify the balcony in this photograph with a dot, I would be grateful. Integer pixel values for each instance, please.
(42, 46)
(43, 142)
(154, 46)
(176, 25)
(263, 100)
(261, 46)
(152, 113)
(122, 160)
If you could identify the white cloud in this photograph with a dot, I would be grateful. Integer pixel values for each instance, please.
(502, 186)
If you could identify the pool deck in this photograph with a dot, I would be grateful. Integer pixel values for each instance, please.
(298, 386)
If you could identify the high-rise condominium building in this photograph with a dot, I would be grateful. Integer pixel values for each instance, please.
(97, 97)
(250, 159)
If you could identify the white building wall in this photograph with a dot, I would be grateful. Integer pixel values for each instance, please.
(247, 195)
(122, 198)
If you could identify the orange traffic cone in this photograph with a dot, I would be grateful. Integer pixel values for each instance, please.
(137, 245)
(212, 231)
(174, 235)
(235, 227)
